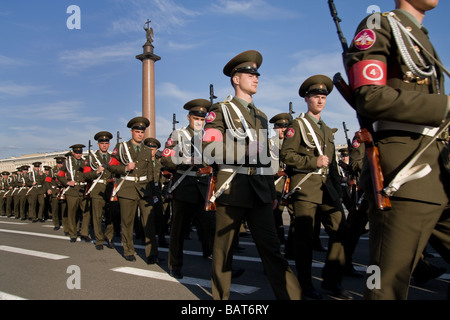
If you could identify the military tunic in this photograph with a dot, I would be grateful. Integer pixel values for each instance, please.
(189, 195)
(72, 170)
(404, 108)
(35, 195)
(100, 194)
(137, 190)
(320, 191)
(249, 196)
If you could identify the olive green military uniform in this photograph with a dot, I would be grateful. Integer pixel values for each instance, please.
(24, 180)
(280, 121)
(10, 210)
(189, 195)
(320, 193)
(4, 188)
(251, 193)
(161, 219)
(404, 108)
(100, 190)
(35, 193)
(72, 170)
(137, 190)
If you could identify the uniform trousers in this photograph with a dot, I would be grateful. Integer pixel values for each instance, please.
(54, 206)
(128, 209)
(76, 205)
(183, 214)
(397, 240)
(98, 208)
(9, 204)
(333, 221)
(261, 224)
(2, 204)
(33, 201)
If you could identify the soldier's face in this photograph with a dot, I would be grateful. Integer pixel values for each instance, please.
(137, 135)
(196, 122)
(316, 103)
(77, 155)
(423, 5)
(103, 146)
(246, 82)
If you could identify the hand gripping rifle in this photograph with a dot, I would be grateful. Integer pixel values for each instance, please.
(364, 135)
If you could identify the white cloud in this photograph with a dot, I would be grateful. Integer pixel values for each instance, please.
(75, 60)
(255, 9)
(20, 90)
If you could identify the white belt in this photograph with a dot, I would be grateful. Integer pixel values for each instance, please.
(188, 173)
(80, 183)
(382, 125)
(250, 171)
(135, 179)
(318, 171)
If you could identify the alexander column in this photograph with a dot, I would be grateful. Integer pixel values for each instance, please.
(148, 59)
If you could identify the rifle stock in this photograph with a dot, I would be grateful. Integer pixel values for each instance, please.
(209, 206)
(284, 201)
(373, 156)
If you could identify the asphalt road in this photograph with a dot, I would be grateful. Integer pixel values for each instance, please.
(38, 263)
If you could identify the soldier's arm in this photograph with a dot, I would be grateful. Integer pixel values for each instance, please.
(115, 165)
(371, 70)
(170, 157)
(62, 176)
(290, 151)
(213, 139)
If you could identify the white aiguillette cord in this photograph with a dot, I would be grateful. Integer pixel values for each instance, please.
(409, 173)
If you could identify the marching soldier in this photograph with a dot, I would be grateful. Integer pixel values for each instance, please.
(398, 84)
(100, 189)
(10, 207)
(71, 177)
(280, 123)
(4, 188)
(236, 139)
(183, 154)
(309, 152)
(136, 189)
(160, 219)
(35, 193)
(51, 192)
(23, 181)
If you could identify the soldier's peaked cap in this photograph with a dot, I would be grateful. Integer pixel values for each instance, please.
(59, 159)
(139, 123)
(5, 173)
(316, 84)
(152, 142)
(103, 136)
(198, 107)
(245, 62)
(36, 164)
(281, 120)
(77, 146)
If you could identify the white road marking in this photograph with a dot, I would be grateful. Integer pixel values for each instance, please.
(34, 253)
(242, 289)
(7, 296)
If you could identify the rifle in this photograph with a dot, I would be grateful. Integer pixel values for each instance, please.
(209, 206)
(291, 110)
(349, 143)
(211, 94)
(364, 135)
(285, 200)
(174, 121)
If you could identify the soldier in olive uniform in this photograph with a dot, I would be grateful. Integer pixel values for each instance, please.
(100, 189)
(4, 188)
(309, 152)
(10, 210)
(136, 189)
(236, 139)
(160, 219)
(71, 177)
(280, 123)
(398, 84)
(183, 154)
(24, 180)
(35, 193)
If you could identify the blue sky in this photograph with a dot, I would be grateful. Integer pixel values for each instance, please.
(59, 87)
